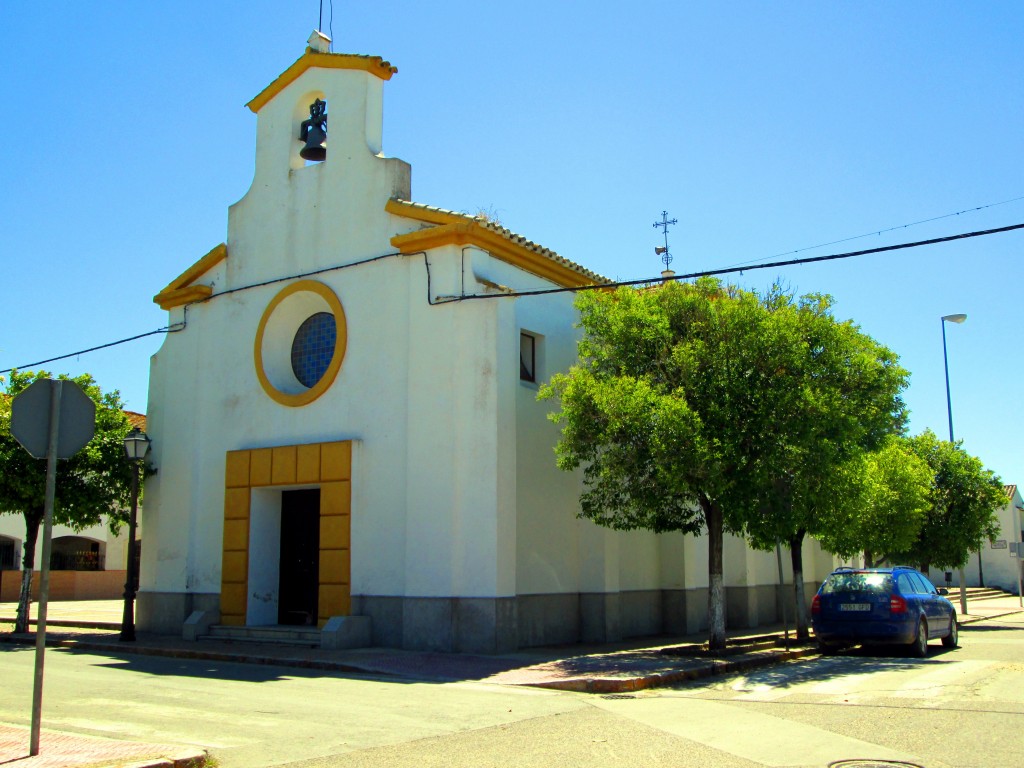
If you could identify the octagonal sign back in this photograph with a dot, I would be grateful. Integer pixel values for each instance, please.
(30, 418)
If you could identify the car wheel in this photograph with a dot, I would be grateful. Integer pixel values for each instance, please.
(951, 639)
(827, 649)
(919, 647)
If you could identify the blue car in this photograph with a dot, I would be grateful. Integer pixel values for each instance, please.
(892, 606)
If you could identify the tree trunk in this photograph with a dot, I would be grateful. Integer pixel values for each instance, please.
(796, 552)
(716, 593)
(869, 558)
(28, 562)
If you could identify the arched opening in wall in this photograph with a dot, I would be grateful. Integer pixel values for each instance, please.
(8, 553)
(77, 553)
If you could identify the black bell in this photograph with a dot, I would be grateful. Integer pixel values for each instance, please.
(314, 133)
(316, 144)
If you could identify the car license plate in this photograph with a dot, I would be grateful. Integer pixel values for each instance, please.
(855, 607)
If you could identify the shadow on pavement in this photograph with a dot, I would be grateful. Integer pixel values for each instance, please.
(156, 661)
(248, 670)
(853, 661)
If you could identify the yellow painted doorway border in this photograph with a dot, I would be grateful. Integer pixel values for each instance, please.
(326, 465)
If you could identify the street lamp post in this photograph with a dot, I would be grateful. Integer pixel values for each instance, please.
(949, 409)
(136, 445)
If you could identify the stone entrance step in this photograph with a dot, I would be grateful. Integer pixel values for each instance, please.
(308, 637)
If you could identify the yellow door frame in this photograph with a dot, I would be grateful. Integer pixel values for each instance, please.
(325, 465)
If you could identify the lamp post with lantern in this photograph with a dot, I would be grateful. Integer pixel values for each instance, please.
(136, 445)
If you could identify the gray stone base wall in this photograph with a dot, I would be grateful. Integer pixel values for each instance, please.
(386, 615)
(640, 613)
(499, 625)
(749, 607)
(685, 611)
(548, 619)
(164, 613)
(448, 624)
(588, 617)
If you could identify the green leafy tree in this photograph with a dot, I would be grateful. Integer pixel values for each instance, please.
(674, 412)
(886, 499)
(835, 396)
(964, 500)
(93, 484)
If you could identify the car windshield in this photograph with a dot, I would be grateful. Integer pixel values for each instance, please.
(858, 581)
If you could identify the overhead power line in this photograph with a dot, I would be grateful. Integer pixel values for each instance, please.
(883, 231)
(167, 329)
(600, 286)
(731, 270)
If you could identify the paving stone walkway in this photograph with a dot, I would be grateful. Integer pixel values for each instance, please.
(67, 750)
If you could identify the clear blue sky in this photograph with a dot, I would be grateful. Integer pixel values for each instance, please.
(762, 127)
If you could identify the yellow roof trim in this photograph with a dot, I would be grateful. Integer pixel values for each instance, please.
(181, 296)
(375, 65)
(470, 233)
(453, 228)
(200, 268)
(181, 286)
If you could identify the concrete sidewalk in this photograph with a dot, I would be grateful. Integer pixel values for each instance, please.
(611, 668)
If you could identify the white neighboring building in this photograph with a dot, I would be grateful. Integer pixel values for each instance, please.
(340, 431)
(999, 568)
(92, 550)
(85, 565)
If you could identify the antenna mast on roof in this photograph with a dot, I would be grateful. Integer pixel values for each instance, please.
(318, 41)
(662, 251)
(323, 41)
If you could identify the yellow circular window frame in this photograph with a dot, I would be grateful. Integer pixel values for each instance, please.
(303, 398)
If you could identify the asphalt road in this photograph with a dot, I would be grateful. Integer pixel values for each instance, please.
(956, 709)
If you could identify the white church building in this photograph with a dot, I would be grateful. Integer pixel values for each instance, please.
(343, 438)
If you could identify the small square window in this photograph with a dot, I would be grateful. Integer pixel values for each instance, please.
(527, 357)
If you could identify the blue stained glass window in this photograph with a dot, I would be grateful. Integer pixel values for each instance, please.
(313, 347)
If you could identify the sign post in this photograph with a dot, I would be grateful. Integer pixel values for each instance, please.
(52, 420)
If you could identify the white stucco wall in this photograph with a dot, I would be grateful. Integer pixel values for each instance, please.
(1001, 570)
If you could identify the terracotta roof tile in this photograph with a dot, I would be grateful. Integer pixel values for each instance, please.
(511, 236)
(137, 420)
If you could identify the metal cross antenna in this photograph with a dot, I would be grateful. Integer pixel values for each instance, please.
(666, 257)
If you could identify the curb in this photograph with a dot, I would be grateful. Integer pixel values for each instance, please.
(660, 679)
(968, 619)
(109, 625)
(183, 760)
(182, 653)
